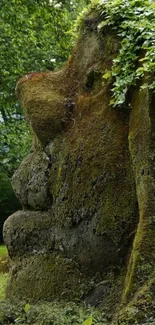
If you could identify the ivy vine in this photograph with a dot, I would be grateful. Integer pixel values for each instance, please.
(134, 23)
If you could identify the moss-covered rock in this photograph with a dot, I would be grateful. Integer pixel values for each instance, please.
(87, 187)
(30, 181)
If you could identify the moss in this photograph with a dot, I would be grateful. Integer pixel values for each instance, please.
(95, 167)
(44, 104)
(35, 233)
(93, 80)
(88, 178)
(30, 181)
(4, 264)
(140, 309)
(94, 171)
(141, 264)
(46, 277)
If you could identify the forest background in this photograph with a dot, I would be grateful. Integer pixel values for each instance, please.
(35, 35)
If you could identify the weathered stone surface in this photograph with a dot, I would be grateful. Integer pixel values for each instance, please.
(87, 187)
(30, 181)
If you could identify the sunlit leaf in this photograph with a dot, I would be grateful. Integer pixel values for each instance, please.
(27, 308)
(88, 321)
(107, 75)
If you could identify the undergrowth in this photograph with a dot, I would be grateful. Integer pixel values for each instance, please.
(50, 314)
(134, 22)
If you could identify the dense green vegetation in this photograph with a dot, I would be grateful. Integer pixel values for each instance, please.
(35, 35)
(50, 313)
(134, 23)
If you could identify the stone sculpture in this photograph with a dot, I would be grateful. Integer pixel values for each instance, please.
(87, 187)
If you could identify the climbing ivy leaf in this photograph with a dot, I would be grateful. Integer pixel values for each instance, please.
(107, 75)
(88, 321)
(27, 308)
(134, 22)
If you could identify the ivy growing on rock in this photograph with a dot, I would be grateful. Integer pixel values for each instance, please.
(134, 23)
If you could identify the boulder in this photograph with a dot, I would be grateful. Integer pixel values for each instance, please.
(87, 188)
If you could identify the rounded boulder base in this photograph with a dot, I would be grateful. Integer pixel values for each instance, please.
(52, 262)
(45, 277)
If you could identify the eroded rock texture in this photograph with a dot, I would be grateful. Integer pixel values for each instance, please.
(87, 187)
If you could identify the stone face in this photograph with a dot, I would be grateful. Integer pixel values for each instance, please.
(87, 187)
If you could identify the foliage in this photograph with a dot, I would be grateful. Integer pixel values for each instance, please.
(134, 23)
(15, 141)
(35, 35)
(52, 313)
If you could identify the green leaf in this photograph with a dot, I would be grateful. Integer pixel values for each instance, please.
(102, 24)
(144, 86)
(88, 321)
(27, 308)
(107, 75)
(143, 59)
(112, 102)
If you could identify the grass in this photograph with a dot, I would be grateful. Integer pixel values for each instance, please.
(3, 251)
(4, 265)
(3, 282)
